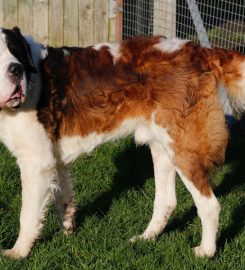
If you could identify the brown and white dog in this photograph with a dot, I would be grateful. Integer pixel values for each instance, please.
(57, 104)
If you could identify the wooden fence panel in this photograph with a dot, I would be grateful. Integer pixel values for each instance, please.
(56, 23)
(71, 22)
(61, 22)
(25, 16)
(1, 12)
(40, 24)
(101, 20)
(10, 14)
(86, 22)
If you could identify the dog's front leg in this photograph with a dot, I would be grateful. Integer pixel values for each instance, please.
(64, 199)
(37, 186)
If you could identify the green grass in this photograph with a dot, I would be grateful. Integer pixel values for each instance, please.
(114, 190)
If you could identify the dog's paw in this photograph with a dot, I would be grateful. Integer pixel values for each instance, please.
(136, 238)
(14, 254)
(68, 230)
(144, 236)
(69, 227)
(204, 252)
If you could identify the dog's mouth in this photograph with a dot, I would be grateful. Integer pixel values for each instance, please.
(16, 98)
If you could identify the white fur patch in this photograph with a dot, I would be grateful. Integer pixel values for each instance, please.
(170, 45)
(143, 134)
(162, 136)
(114, 49)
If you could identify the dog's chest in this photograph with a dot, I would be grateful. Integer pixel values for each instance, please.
(10, 128)
(23, 134)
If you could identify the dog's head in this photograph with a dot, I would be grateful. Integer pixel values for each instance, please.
(16, 66)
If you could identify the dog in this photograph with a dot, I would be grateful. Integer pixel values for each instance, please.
(59, 103)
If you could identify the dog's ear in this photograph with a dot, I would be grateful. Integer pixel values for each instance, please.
(18, 47)
(25, 54)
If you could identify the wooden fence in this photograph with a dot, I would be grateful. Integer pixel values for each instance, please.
(62, 22)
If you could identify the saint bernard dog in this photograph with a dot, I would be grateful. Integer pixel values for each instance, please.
(59, 103)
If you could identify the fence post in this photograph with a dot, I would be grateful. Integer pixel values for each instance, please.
(119, 18)
(1, 13)
(198, 22)
(112, 20)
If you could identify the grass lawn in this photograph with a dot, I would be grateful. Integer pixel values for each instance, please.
(114, 190)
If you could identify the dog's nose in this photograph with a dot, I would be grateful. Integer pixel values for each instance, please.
(15, 69)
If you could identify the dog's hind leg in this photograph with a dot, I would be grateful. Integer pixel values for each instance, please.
(165, 198)
(64, 200)
(208, 209)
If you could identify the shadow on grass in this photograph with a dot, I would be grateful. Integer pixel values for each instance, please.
(234, 228)
(235, 156)
(134, 167)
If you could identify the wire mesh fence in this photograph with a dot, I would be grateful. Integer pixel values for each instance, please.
(137, 18)
(213, 23)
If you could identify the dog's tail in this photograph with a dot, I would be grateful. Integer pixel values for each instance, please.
(229, 69)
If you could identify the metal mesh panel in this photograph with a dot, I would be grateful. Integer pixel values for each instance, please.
(223, 21)
(213, 23)
(137, 18)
